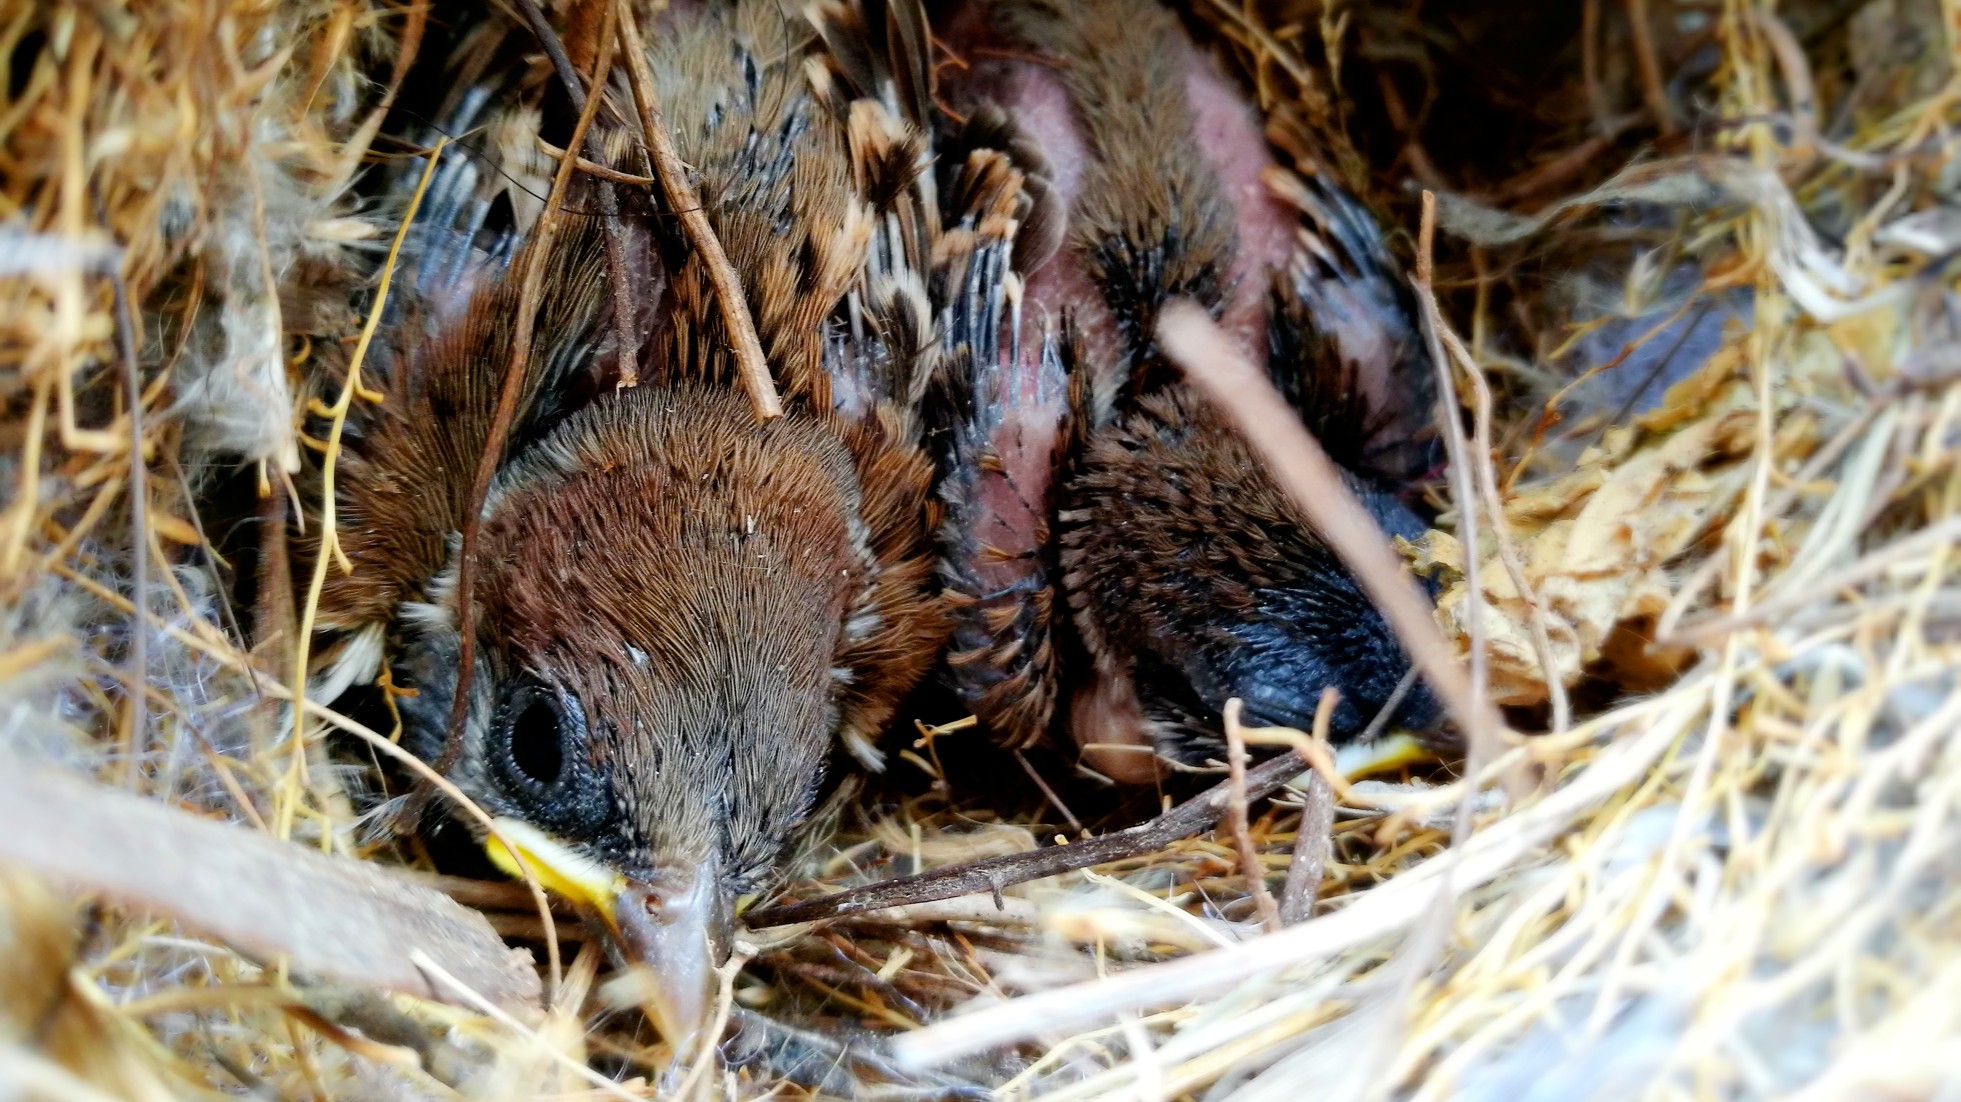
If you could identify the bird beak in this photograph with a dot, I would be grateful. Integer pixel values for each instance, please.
(674, 932)
(679, 934)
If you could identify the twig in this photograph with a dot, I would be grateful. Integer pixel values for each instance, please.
(535, 258)
(548, 41)
(1458, 451)
(1048, 793)
(139, 524)
(1313, 846)
(1242, 831)
(1314, 837)
(627, 349)
(594, 168)
(1432, 931)
(1653, 89)
(1487, 480)
(1590, 61)
(996, 873)
(672, 172)
(492, 455)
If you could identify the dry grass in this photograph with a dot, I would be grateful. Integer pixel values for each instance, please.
(1733, 872)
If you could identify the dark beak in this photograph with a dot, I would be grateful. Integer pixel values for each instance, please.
(677, 931)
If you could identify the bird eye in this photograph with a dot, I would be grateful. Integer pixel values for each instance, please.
(535, 742)
(536, 751)
(540, 755)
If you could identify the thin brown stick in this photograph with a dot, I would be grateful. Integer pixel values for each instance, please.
(594, 168)
(1431, 934)
(1482, 750)
(1494, 506)
(1590, 61)
(1244, 393)
(626, 339)
(536, 255)
(1236, 818)
(1314, 837)
(1313, 846)
(1048, 793)
(627, 347)
(139, 526)
(672, 172)
(548, 41)
(1653, 89)
(995, 873)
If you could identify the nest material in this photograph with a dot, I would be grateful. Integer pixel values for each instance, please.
(1703, 325)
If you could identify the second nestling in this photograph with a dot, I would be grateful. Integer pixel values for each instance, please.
(1120, 564)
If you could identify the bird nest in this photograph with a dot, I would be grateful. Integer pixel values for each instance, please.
(1694, 290)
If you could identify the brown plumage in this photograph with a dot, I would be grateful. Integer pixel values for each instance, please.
(1151, 570)
(679, 611)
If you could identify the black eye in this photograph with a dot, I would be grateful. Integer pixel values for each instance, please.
(541, 757)
(537, 743)
(536, 740)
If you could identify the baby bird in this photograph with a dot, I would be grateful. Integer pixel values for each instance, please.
(679, 609)
(1119, 563)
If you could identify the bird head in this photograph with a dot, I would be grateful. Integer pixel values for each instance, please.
(1186, 552)
(663, 584)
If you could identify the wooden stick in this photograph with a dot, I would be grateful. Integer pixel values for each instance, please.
(1313, 845)
(625, 340)
(1653, 88)
(996, 873)
(1314, 837)
(672, 172)
(534, 260)
(1242, 830)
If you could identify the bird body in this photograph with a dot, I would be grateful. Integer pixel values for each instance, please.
(679, 610)
(1159, 571)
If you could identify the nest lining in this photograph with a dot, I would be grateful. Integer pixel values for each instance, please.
(1727, 869)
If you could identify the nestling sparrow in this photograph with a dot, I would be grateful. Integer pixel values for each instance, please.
(680, 610)
(1119, 563)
